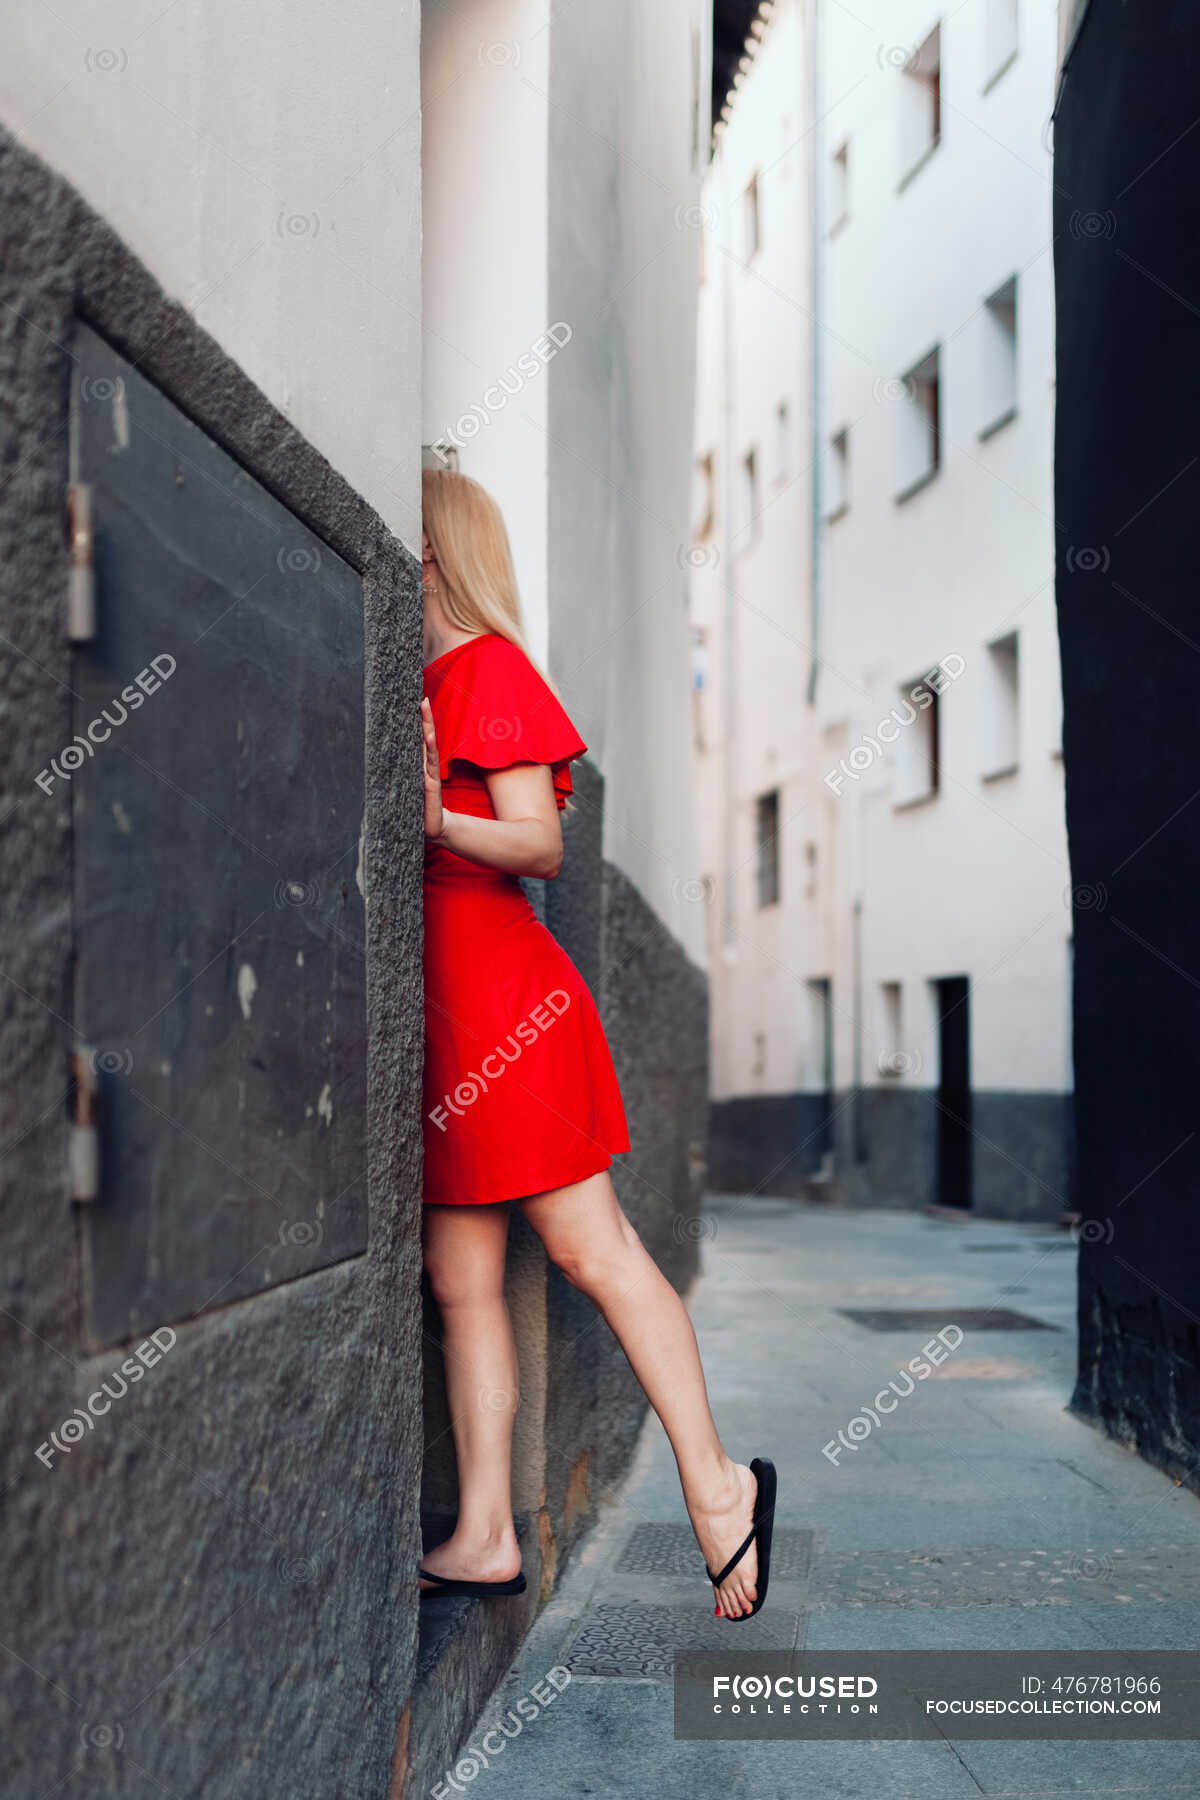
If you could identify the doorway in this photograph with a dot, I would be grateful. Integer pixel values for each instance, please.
(953, 997)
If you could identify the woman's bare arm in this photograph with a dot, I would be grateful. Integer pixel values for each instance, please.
(524, 838)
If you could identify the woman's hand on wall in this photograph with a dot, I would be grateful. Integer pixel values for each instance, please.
(435, 818)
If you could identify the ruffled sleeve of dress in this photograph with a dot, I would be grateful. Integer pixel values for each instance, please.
(494, 709)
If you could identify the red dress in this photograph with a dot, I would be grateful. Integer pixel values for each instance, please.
(520, 1091)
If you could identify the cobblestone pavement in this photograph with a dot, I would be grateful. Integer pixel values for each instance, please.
(979, 1514)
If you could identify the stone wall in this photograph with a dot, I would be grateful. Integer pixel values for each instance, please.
(216, 1585)
(885, 1149)
(220, 1583)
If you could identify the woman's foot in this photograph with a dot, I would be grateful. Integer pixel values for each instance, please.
(720, 1525)
(463, 1558)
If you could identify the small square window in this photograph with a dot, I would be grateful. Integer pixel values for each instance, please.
(1000, 39)
(998, 357)
(748, 487)
(751, 220)
(816, 1075)
(921, 105)
(783, 442)
(839, 186)
(891, 1061)
(1002, 749)
(837, 475)
(703, 496)
(917, 765)
(766, 833)
(920, 447)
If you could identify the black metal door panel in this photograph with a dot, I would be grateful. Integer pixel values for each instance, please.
(219, 920)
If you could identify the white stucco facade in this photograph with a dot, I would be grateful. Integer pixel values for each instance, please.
(971, 880)
(563, 157)
(263, 162)
(750, 577)
(927, 204)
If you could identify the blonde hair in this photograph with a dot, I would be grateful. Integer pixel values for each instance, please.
(465, 528)
(478, 585)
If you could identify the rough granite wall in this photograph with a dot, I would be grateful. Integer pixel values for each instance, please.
(212, 1594)
(654, 1004)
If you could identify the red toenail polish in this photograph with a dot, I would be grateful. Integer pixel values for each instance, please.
(716, 1612)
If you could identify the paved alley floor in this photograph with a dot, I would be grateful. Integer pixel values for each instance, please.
(980, 1514)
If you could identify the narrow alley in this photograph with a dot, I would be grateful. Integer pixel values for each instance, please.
(981, 1515)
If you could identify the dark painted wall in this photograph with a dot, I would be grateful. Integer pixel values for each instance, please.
(1127, 456)
(216, 1582)
(768, 1143)
(884, 1141)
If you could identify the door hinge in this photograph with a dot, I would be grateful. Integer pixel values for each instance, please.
(81, 577)
(85, 1137)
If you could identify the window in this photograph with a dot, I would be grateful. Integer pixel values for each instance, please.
(748, 522)
(920, 425)
(751, 220)
(837, 474)
(766, 833)
(918, 743)
(1003, 715)
(816, 1076)
(839, 186)
(703, 496)
(699, 637)
(920, 105)
(998, 357)
(1000, 39)
(891, 1060)
(783, 434)
(810, 871)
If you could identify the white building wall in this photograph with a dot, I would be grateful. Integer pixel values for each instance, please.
(563, 155)
(628, 118)
(971, 881)
(485, 259)
(263, 162)
(750, 583)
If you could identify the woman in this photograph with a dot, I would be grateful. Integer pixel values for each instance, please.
(521, 1102)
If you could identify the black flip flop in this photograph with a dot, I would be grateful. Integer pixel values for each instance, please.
(478, 1590)
(761, 1532)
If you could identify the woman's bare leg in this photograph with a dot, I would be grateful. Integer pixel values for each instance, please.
(587, 1234)
(464, 1253)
